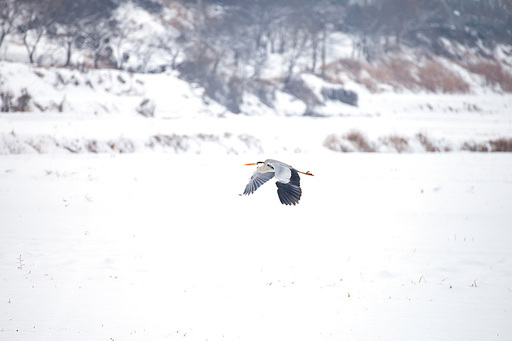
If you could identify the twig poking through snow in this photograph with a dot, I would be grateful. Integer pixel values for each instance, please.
(21, 264)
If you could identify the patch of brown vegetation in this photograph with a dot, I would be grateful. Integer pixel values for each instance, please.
(472, 146)
(359, 141)
(501, 145)
(435, 77)
(335, 143)
(427, 143)
(493, 73)
(400, 73)
(398, 143)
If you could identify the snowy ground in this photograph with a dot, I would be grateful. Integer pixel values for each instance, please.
(153, 246)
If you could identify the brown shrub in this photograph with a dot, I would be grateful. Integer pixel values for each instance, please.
(351, 65)
(353, 68)
(493, 73)
(360, 141)
(436, 77)
(335, 143)
(501, 145)
(472, 146)
(379, 72)
(352, 141)
(369, 83)
(400, 72)
(427, 143)
(92, 146)
(377, 75)
(399, 143)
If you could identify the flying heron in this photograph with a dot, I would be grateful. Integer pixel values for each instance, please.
(287, 180)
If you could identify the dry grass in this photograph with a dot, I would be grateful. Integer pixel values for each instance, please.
(493, 73)
(370, 84)
(356, 141)
(177, 142)
(353, 141)
(354, 66)
(360, 141)
(431, 75)
(121, 145)
(427, 143)
(337, 144)
(401, 73)
(398, 143)
(472, 146)
(379, 73)
(501, 145)
(436, 77)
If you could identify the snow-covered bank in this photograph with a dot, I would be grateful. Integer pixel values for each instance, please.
(99, 111)
(410, 130)
(161, 246)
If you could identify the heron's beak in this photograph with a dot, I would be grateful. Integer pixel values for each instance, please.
(251, 164)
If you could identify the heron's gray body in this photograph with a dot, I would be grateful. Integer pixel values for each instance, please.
(287, 180)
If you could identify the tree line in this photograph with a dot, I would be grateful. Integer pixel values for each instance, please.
(224, 43)
(251, 29)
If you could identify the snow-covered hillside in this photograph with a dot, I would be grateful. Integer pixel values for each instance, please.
(100, 111)
(401, 98)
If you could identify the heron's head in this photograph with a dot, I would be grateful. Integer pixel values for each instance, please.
(263, 167)
(259, 163)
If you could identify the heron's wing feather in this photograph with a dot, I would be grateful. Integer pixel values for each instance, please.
(257, 179)
(289, 193)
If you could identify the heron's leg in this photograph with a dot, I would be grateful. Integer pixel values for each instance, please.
(306, 173)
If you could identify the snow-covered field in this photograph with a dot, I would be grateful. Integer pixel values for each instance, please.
(153, 246)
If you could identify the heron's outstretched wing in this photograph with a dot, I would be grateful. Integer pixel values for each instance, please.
(257, 179)
(289, 193)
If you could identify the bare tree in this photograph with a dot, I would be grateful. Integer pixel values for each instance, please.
(171, 46)
(9, 14)
(262, 20)
(97, 39)
(34, 26)
(298, 47)
(67, 36)
(319, 19)
(119, 42)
